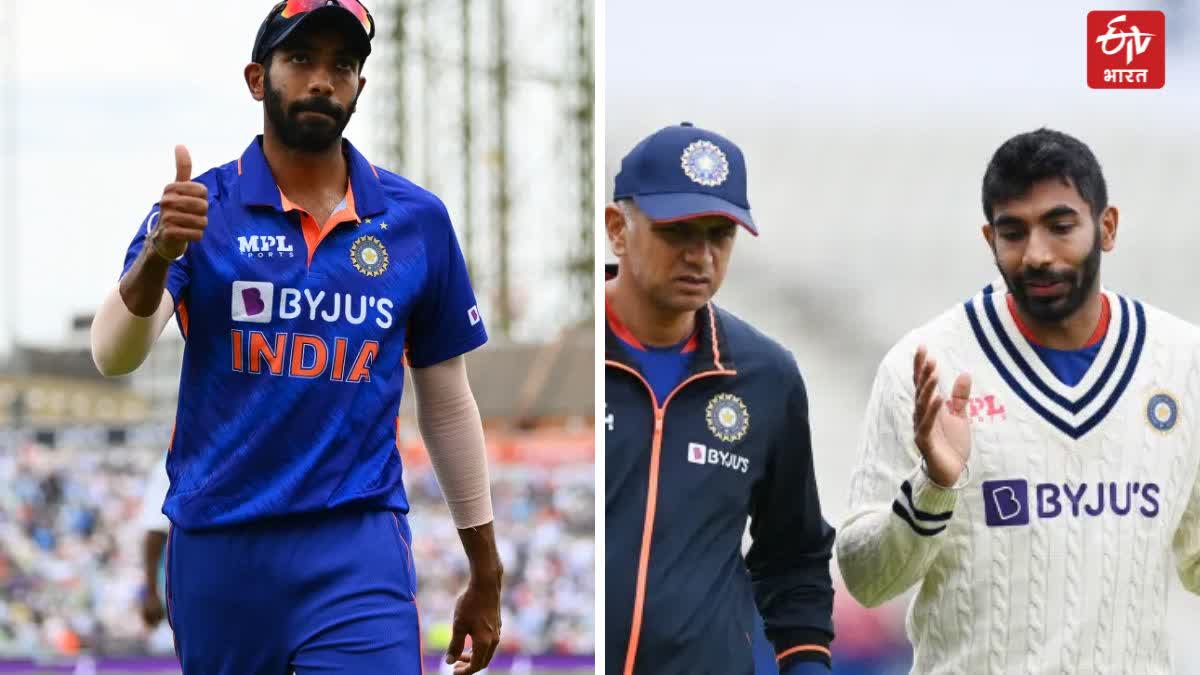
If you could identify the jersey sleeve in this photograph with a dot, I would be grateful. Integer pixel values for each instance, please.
(898, 518)
(177, 274)
(792, 543)
(445, 322)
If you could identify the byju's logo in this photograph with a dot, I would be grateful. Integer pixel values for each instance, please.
(1006, 502)
(252, 301)
(701, 454)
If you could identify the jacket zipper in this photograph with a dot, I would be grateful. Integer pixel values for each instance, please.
(639, 596)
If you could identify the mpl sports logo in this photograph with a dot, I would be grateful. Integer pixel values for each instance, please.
(265, 246)
(984, 409)
(1006, 503)
(1126, 49)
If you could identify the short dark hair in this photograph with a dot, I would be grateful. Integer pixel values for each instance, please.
(1036, 156)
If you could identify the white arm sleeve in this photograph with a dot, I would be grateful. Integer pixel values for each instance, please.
(448, 418)
(897, 516)
(1187, 543)
(121, 339)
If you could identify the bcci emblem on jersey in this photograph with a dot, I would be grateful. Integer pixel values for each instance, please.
(705, 164)
(1162, 412)
(728, 418)
(369, 256)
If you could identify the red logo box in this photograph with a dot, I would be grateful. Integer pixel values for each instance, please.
(1126, 49)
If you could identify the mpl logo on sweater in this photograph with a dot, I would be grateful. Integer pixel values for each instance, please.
(1006, 503)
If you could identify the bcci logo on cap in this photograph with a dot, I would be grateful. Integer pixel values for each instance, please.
(704, 163)
(1126, 49)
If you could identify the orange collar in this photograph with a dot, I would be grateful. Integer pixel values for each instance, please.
(314, 232)
(1097, 335)
(342, 215)
(628, 338)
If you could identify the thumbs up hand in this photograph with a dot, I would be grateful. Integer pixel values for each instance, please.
(183, 211)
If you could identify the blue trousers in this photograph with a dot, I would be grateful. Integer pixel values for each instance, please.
(319, 593)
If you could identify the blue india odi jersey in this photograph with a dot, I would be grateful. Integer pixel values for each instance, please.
(295, 338)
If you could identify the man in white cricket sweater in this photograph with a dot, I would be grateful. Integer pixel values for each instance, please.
(1041, 507)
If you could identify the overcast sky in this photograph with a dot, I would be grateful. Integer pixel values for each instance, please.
(106, 89)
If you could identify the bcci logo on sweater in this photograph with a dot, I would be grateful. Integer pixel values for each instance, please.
(1006, 502)
(1162, 412)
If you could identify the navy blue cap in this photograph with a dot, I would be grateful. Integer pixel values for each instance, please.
(275, 29)
(683, 172)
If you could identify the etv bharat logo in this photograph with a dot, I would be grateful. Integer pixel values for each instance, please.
(1126, 49)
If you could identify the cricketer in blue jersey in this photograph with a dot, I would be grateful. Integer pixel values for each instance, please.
(304, 278)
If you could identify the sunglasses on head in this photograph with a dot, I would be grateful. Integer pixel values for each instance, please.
(293, 8)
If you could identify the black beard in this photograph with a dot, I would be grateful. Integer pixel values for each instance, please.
(1054, 310)
(307, 135)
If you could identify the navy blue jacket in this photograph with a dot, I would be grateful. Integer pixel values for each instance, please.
(681, 476)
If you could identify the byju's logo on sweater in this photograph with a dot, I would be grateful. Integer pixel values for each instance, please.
(1006, 502)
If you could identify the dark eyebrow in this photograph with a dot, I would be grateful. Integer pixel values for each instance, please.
(1058, 212)
(1006, 219)
(1051, 214)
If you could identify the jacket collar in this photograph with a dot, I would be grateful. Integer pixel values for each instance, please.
(712, 353)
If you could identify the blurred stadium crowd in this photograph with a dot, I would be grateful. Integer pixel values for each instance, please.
(70, 553)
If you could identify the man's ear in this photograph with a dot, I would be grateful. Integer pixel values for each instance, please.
(614, 225)
(255, 74)
(989, 235)
(1108, 228)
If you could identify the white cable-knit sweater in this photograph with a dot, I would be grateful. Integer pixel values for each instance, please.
(1056, 556)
